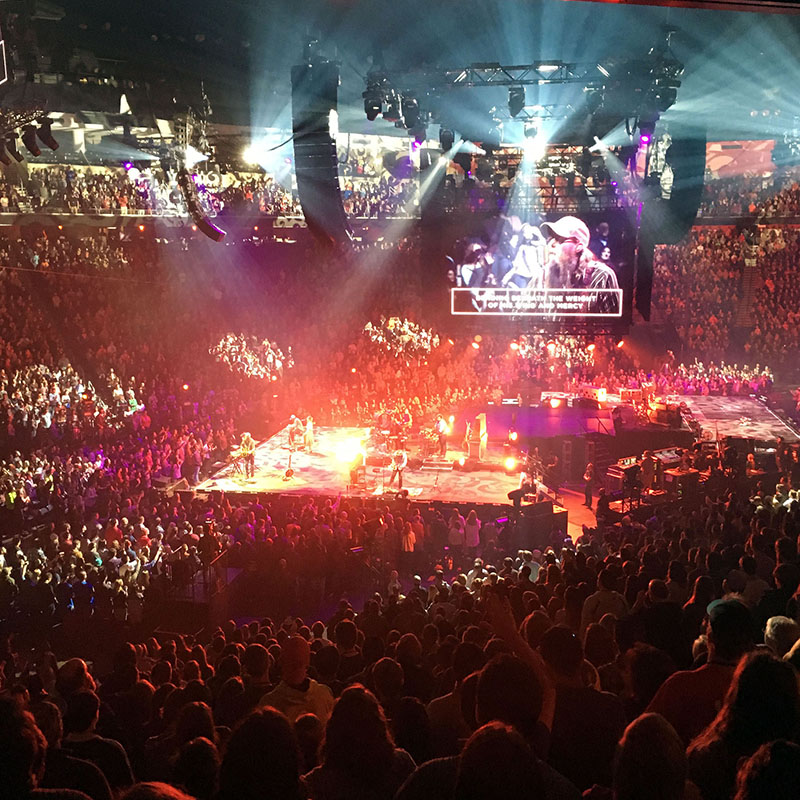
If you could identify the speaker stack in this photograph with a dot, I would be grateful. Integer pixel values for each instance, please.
(315, 88)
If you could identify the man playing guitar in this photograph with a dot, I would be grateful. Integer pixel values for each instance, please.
(247, 452)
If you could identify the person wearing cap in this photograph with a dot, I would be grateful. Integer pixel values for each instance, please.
(572, 265)
(690, 699)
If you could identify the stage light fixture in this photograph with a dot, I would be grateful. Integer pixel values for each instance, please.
(647, 126)
(513, 435)
(410, 108)
(393, 111)
(29, 140)
(531, 129)
(419, 133)
(510, 464)
(516, 99)
(11, 146)
(373, 106)
(555, 402)
(45, 133)
(446, 139)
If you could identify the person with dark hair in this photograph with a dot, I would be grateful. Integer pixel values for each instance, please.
(695, 608)
(23, 751)
(256, 663)
(650, 761)
(497, 762)
(310, 732)
(587, 723)
(81, 740)
(63, 771)
(762, 704)
(411, 729)
(606, 600)
(599, 646)
(507, 690)
(771, 773)
(646, 668)
(351, 662)
(387, 680)
(448, 726)
(262, 760)
(689, 699)
(196, 768)
(359, 758)
(154, 790)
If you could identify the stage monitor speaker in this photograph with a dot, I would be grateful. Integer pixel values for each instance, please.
(315, 89)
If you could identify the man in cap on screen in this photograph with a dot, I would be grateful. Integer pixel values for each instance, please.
(572, 265)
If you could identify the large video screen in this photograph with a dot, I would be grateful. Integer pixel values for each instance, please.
(551, 268)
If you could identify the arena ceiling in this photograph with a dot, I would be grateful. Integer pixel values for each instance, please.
(741, 69)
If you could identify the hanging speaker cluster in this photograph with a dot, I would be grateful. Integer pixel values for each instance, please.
(189, 191)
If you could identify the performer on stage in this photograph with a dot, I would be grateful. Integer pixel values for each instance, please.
(441, 433)
(296, 431)
(308, 437)
(247, 451)
(399, 463)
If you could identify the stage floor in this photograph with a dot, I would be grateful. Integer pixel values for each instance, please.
(326, 471)
(743, 417)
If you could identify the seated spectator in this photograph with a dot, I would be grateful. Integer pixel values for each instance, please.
(196, 768)
(508, 691)
(62, 771)
(780, 635)
(497, 762)
(262, 760)
(81, 740)
(606, 600)
(154, 791)
(773, 771)
(24, 750)
(448, 726)
(650, 762)
(297, 694)
(359, 758)
(763, 704)
(689, 700)
(587, 724)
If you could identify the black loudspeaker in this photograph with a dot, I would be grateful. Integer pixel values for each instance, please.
(668, 221)
(314, 95)
(644, 270)
(687, 157)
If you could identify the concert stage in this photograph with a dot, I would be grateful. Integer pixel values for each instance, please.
(326, 471)
(738, 417)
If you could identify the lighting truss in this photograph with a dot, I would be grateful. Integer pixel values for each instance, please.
(538, 73)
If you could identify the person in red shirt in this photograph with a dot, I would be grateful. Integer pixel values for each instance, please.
(690, 699)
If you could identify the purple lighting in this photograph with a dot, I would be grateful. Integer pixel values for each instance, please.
(128, 165)
(645, 138)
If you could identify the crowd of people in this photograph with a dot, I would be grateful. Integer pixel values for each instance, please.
(402, 337)
(666, 648)
(464, 663)
(252, 356)
(696, 286)
(766, 197)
